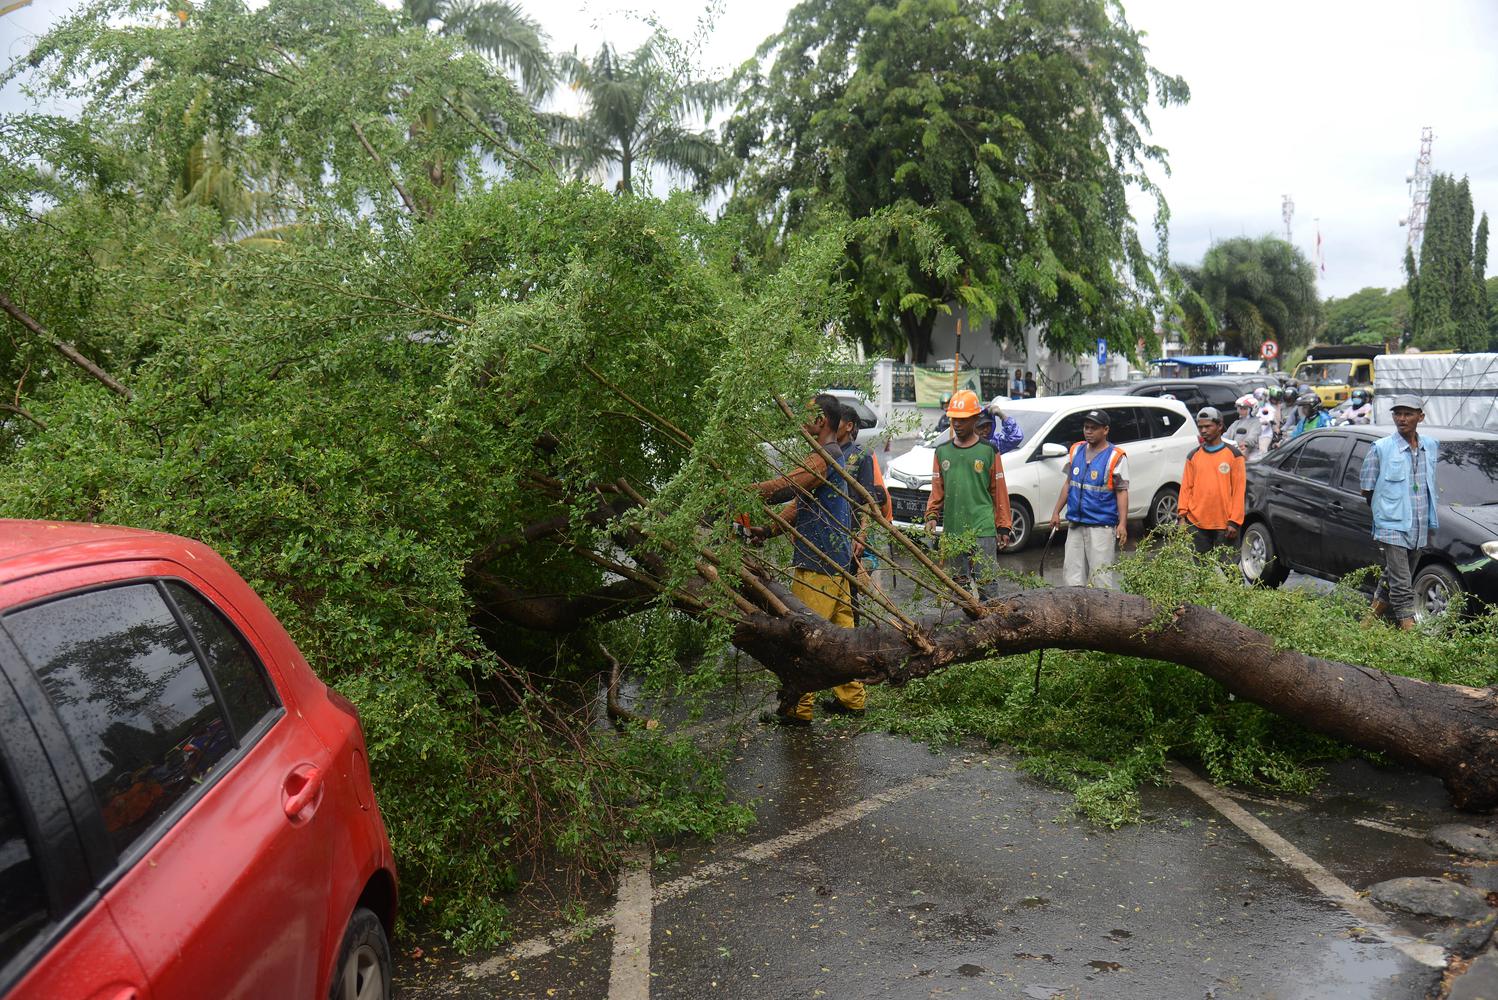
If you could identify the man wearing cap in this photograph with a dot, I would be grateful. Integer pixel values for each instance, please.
(1096, 501)
(823, 548)
(1399, 482)
(1212, 485)
(969, 496)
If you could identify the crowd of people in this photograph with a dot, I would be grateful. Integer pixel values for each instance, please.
(1269, 417)
(829, 509)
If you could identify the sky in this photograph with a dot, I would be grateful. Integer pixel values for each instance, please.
(1323, 100)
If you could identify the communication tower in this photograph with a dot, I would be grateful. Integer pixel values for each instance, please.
(1287, 212)
(1419, 185)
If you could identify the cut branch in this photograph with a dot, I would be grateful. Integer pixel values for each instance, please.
(64, 348)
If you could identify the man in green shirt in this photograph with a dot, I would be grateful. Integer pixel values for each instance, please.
(968, 496)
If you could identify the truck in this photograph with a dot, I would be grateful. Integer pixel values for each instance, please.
(1334, 370)
(1458, 390)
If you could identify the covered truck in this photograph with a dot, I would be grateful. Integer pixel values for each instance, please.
(1459, 390)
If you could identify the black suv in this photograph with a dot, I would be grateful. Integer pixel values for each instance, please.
(1305, 512)
(1221, 391)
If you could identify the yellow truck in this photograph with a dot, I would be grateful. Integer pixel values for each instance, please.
(1334, 370)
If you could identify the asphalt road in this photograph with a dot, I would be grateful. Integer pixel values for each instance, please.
(881, 869)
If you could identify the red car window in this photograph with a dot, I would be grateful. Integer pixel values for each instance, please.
(131, 695)
(241, 681)
(23, 903)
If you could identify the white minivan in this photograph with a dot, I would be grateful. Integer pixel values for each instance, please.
(1156, 434)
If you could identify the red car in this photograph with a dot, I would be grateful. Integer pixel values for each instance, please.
(185, 809)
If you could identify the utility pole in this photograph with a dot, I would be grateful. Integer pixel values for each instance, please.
(1287, 212)
(1419, 185)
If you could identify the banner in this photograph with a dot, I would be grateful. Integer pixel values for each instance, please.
(932, 385)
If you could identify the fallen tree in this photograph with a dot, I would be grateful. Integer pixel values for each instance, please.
(464, 451)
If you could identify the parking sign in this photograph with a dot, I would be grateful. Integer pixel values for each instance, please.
(1102, 352)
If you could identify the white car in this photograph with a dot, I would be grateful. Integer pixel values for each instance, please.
(1156, 434)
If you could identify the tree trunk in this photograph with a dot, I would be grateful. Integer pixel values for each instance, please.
(917, 332)
(1446, 729)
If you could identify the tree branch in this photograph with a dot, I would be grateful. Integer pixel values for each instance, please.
(66, 349)
(389, 172)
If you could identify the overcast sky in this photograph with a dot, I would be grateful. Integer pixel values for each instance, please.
(1319, 99)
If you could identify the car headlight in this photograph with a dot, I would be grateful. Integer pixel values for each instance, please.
(1490, 549)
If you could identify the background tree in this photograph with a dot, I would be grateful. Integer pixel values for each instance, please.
(1446, 285)
(1253, 289)
(1368, 316)
(1005, 133)
(636, 113)
(500, 30)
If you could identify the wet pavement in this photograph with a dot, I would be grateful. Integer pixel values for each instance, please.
(881, 869)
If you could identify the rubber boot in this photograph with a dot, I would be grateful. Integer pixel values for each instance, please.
(1378, 609)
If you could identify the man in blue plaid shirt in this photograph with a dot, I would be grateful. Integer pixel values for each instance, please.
(1399, 482)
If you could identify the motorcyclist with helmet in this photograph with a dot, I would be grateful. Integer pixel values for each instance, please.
(1312, 416)
(1360, 408)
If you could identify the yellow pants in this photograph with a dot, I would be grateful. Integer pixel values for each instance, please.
(827, 596)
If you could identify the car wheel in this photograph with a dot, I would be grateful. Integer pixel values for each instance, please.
(1021, 525)
(363, 969)
(1256, 557)
(1163, 508)
(1435, 587)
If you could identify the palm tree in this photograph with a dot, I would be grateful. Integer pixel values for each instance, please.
(495, 28)
(633, 111)
(1249, 290)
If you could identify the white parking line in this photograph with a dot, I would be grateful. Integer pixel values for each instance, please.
(1339, 892)
(768, 850)
(629, 972)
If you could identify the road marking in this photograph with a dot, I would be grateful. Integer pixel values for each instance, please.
(629, 972)
(1339, 892)
(545, 944)
(1273, 803)
(1403, 831)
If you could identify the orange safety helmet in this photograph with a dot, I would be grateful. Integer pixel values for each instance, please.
(964, 404)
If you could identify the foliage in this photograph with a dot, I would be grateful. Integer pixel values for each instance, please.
(1368, 316)
(353, 413)
(498, 29)
(328, 92)
(1008, 133)
(1447, 290)
(1248, 291)
(635, 107)
(1103, 725)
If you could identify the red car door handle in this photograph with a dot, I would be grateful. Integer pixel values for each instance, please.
(298, 799)
(128, 993)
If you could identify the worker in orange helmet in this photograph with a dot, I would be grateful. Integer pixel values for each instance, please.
(969, 498)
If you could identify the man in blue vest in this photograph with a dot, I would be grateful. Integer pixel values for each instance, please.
(1399, 482)
(823, 546)
(1096, 501)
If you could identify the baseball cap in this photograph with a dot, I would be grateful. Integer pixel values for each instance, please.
(1096, 417)
(1211, 413)
(1407, 401)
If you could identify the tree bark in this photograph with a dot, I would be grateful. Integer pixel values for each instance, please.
(64, 348)
(1448, 730)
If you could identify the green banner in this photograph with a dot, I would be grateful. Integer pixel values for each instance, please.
(932, 385)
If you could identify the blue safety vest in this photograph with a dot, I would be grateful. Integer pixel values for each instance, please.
(1090, 499)
(826, 520)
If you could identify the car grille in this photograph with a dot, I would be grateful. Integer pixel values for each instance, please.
(908, 504)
